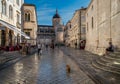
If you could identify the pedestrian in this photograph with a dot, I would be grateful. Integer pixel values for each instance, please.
(39, 48)
(46, 46)
(110, 48)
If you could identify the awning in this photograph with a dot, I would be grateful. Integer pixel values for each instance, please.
(14, 29)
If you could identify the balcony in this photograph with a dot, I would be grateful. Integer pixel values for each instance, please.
(18, 25)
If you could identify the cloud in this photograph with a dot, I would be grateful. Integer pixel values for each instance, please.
(46, 10)
(45, 15)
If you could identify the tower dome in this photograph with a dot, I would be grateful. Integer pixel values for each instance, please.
(56, 15)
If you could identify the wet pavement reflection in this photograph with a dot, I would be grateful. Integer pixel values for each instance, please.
(47, 68)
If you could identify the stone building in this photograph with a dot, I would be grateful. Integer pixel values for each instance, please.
(10, 22)
(58, 27)
(66, 33)
(29, 20)
(103, 21)
(45, 34)
(76, 29)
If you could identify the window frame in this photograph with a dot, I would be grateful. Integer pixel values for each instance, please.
(4, 7)
(10, 12)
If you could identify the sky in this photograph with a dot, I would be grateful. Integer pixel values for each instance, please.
(46, 9)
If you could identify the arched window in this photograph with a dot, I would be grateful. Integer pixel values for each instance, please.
(27, 16)
(4, 7)
(10, 12)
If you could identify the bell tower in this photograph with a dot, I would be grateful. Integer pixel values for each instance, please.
(56, 20)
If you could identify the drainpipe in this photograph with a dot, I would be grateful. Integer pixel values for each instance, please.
(80, 31)
(110, 24)
(97, 23)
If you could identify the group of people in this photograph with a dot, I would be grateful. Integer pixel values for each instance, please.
(11, 48)
(46, 46)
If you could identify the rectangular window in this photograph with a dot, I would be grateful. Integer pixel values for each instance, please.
(18, 18)
(83, 18)
(83, 30)
(92, 22)
(28, 33)
(17, 1)
(87, 26)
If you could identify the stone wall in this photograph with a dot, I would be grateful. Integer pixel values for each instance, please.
(106, 15)
(30, 26)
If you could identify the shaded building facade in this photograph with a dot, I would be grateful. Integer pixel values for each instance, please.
(45, 34)
(102, 20)
(75, 30)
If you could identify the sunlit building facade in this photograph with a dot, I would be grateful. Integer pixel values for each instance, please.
(59, 28)
(10, 22)
(75, 28)
(47, 34)
(29, 23)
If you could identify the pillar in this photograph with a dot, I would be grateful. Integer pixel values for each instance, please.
(6, 37)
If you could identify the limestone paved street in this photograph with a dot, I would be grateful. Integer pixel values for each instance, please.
(48, 68)
(84, 60)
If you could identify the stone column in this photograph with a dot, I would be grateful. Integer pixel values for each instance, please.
(6, 36)
(13, 38)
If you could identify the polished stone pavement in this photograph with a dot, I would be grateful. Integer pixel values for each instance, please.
(84, 60)
(47, 68)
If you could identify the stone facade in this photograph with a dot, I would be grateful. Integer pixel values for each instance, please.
(29, 20)
(66, 33)
(45, 34)
(76, 29)
(102, 20)
(58, 27)
(10, 22)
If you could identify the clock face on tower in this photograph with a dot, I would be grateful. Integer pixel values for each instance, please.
(56, 23)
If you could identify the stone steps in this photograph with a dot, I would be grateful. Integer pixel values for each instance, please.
(113, 55)
(110, 63)
(104, 68)
(107, 64)
(8, 56)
